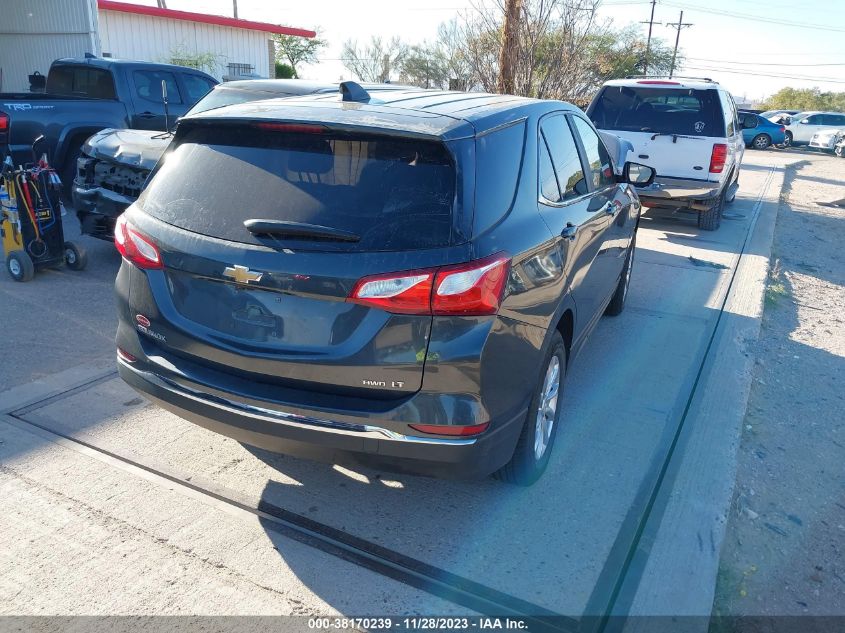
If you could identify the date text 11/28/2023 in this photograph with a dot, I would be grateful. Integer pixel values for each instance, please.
(416, 623)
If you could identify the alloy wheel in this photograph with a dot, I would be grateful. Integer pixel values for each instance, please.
(547, 411)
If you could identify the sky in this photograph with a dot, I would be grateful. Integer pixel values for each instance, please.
(753, 47)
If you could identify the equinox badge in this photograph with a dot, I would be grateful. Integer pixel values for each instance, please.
(241, 274)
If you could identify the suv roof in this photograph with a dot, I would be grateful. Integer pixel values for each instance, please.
(444, 114)
(665, 82)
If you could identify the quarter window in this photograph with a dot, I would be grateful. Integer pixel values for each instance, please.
(148, 86)
(565, 158)
(601, 169)
(196, 87)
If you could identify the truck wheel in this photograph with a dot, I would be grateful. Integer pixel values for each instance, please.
(617, 304)
(534, 446)
(20, 266)
(711, 219)
(75, 256)
(68, 173)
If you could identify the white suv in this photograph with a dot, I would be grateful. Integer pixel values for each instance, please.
(688, 131)
(804, 125)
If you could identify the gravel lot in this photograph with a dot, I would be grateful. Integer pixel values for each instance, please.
(784, 553)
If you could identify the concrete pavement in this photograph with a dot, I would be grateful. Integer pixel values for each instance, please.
(561, 545)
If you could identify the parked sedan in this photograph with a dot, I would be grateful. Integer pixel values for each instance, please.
(759, 132)
(401, 281)
(804, 124)
(114, 163)
(827, 139)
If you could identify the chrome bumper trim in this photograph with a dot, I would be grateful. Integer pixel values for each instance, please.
(290, 419)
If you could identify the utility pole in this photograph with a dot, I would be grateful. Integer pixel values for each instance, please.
(648, 41)
(235, 8)
(680, 24)
(510, 32)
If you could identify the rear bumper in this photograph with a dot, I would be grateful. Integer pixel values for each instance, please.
(666, 189)
(323, 439)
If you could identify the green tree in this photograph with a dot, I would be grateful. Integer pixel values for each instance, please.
(181, 56)
(805, 99)
(294, 50)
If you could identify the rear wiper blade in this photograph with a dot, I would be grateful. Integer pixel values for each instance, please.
(283, 228)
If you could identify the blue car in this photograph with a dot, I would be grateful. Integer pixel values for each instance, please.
(759, 132)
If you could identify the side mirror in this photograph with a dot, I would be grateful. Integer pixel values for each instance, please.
(637, 174)
(39, 147)
(804, 121)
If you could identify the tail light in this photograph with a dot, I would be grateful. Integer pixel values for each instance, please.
(718, 158)
(4, 128)
(125, 356)
(135, 247)
(449, 429)
(474, 288)
(782, 129)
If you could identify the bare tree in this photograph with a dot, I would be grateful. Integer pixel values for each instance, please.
(547, 52)
(375, 61)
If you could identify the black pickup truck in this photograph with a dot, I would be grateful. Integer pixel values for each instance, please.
(87, 95)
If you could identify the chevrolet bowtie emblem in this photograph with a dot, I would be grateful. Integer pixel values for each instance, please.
(241, 274)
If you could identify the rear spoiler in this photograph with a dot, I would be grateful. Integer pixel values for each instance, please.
(618, 148)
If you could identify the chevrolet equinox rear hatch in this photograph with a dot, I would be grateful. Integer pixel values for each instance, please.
(279, 238)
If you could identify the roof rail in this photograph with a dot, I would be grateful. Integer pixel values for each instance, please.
(353, 91)
(707, 79)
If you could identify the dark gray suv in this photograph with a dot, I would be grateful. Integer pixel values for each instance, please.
(400, 281)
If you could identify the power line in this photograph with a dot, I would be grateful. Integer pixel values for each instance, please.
(756, 18)
(728, 61)
(739, 71)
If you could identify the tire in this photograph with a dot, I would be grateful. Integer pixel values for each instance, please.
(761, 141)
(839, 150)
(787, 139)
(617, 303)
(531, 456)
(711, 219)
(75, 256)
(20, 266)
(68, 173)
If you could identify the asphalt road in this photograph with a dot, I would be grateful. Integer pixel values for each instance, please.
(558, 545)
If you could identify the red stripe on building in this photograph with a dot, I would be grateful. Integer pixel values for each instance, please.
(218, 20)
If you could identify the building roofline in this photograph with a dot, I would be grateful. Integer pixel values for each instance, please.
(217, 20)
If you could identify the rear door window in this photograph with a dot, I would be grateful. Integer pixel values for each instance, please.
(598, 158)
(196, 87)
(565, 158)
(659, 110)
(393, 193)
(148, 86)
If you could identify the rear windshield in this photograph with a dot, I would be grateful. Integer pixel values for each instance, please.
(219, 97)
(664, 110)
(394, 193)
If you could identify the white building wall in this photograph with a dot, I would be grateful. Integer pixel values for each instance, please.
(35, 32)
(149, 38)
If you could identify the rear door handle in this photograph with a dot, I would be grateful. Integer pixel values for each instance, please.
(146, 115)
(569, 232)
